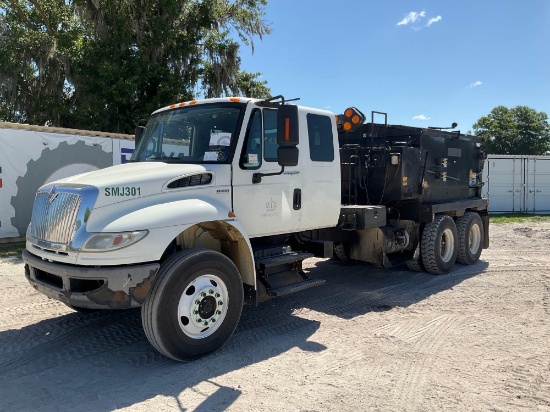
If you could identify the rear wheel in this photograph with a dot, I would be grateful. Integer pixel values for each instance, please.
(439, 245)
(194, 306)
(470, 238)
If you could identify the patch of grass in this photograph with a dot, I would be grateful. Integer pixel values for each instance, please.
(11, 251)
(517, 218)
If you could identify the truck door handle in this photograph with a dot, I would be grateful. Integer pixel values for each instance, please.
(297, 199)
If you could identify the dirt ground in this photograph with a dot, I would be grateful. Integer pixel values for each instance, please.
(477, 339)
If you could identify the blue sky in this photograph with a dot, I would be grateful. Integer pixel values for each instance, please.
(425, 63)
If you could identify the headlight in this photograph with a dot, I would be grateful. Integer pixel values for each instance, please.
(105, 242)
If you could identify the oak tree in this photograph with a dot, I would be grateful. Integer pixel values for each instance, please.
(100, 64)
(517, 131)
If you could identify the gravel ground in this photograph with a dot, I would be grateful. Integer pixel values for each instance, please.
(369, 339)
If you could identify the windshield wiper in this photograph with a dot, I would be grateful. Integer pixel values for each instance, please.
(164, 158)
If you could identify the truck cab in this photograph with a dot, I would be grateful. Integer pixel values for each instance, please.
(236, 142)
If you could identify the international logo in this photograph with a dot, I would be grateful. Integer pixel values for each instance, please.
(52, 195)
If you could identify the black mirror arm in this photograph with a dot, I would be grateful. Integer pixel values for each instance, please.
(257, 177)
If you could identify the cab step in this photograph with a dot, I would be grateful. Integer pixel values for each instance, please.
(294, 287)
(277, 260)
(280, 271)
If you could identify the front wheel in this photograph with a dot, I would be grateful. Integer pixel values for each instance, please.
(194, 306)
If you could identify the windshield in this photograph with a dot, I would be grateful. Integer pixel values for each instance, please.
(194, 134)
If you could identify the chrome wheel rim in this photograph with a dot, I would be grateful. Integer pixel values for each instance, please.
(203, 306)
(447, 245)
(474, 239)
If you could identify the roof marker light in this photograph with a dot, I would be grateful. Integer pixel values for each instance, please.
(351, 120)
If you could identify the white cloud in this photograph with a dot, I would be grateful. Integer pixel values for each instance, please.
(433, 20)
(421, 117)
(412, 17)
(475, 84)
(418, 18)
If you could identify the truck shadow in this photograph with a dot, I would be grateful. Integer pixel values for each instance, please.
(354, 289)
(102, 361)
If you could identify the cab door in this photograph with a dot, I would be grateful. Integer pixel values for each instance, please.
(272, 206)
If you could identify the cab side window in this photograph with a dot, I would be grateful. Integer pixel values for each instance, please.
(321, 143)
(251, 157)
(270, 135)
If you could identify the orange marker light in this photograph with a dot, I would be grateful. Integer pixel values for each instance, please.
(347, 126)
(181, 104)
(234, 99)
(355, 119)
(287, 130)
(348, 112)
(193, 102)
(172, 106)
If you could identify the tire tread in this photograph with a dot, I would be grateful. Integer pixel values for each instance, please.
(428, 244)
(462, 227)
(149, 309)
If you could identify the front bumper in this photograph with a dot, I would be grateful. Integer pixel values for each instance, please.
(109, 287)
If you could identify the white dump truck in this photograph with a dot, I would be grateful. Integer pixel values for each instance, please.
(224, 198)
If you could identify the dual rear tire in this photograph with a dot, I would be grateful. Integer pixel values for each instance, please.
(444, 242)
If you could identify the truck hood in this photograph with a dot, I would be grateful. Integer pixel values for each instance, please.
(131, 180)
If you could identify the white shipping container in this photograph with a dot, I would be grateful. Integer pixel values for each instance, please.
(519, 184)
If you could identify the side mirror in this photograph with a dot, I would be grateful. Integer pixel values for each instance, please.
(287, 138)
(288, 155)
(138, 133)
(288, 126)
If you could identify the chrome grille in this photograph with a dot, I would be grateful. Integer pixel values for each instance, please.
(54, 216)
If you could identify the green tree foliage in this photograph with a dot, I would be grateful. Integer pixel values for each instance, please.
(517, 131)
(102, 64)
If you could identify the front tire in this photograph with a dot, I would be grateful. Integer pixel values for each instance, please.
(439, 245)
(194, 305)
(470, 238)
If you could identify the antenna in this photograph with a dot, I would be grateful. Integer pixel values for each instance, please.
(453, 126)
(276, 101)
